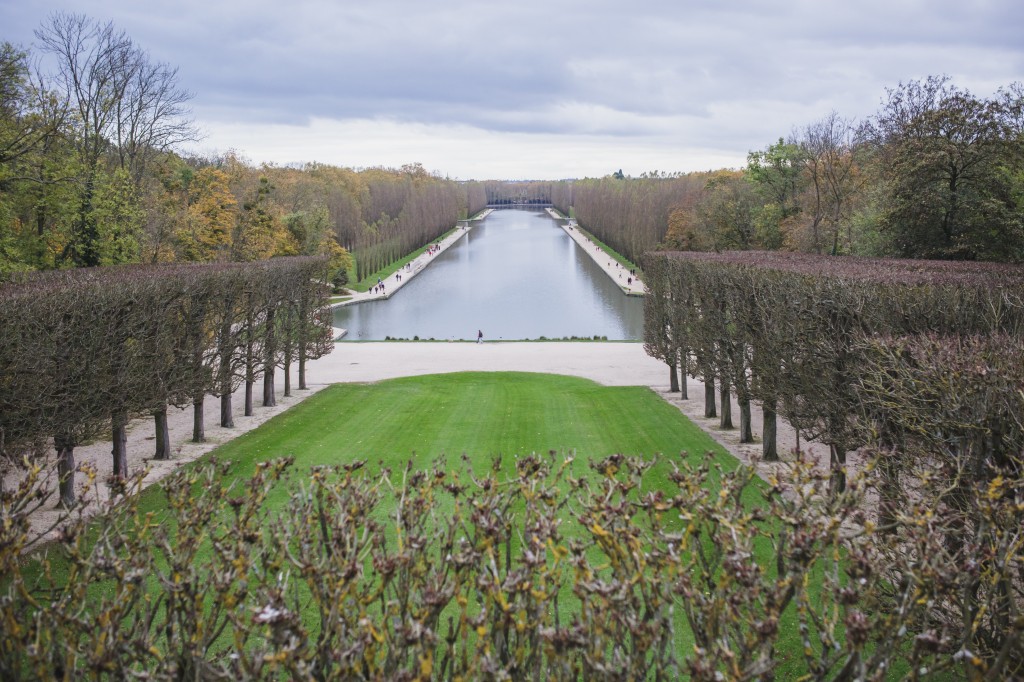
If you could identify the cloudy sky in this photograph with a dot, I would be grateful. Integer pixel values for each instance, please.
(543, 89)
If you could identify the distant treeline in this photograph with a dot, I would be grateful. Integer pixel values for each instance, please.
(91, 174)
(936, 173)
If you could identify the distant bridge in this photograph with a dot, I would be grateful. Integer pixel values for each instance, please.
(518, 203)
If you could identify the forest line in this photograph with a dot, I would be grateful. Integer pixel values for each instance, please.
(93, 172)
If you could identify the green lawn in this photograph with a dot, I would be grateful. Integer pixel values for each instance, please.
(479, 414)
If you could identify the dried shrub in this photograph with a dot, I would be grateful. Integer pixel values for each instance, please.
(546, 572)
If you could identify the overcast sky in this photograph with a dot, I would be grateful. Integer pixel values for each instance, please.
(543, 89)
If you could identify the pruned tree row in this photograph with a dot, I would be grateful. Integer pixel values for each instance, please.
(631, 216)
(916, 363)
(400, 212)
(789, 329)
(85, 351)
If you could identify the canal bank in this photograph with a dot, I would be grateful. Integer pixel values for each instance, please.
(396, 281)
(514, 276)
(630, 285)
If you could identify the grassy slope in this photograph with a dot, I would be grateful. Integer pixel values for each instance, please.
(480, 414)
(477, 413)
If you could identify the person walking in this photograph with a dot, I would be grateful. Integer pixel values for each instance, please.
(479, 336)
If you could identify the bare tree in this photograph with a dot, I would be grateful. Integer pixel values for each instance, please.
(116, 97)
(831, 180)
(152, 116)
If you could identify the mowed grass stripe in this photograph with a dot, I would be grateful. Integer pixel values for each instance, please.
(479, 414)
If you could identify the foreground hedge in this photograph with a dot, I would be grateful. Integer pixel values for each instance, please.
(476, 575)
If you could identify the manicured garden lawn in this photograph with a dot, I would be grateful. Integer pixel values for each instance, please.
(477, 413)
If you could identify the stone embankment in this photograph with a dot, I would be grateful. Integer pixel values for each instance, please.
(397, 280)
(627, 281)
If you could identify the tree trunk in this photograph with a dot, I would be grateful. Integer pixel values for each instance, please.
(163, 436)
(769, 431)
(269, 354)
(227, 417)
(673, 378)
(287, 375)
(119, 424)
(268, 387)
(890, 445)
(198, 419)
(725, 407)
(65, 472)
(889, 492)
(746, 432)
(837, 463)
(709, 399)
(303, 340)
(224, 376)
(250, 368)
(682, 380)
(248, 397)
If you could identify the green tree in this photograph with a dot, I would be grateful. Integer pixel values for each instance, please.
(259, 232)
(728, 212)
(30, 154)
(951, 159)
(312, 232)
(777, 173)
(118, 218)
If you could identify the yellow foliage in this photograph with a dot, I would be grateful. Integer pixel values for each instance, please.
(206, 234)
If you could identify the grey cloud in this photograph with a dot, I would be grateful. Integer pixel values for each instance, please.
(729, 76)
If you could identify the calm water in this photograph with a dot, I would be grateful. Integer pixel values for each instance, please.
(516, 275)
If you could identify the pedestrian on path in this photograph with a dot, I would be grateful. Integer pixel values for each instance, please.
(479, 336)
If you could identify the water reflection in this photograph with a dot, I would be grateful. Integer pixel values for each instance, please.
(516, 275)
